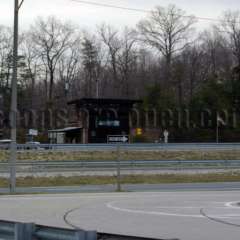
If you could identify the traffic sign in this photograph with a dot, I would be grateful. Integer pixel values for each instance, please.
(33, 132)
(139, 131)
(118, 139)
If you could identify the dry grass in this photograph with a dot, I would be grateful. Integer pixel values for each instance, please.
(125, 155)
(130, 179)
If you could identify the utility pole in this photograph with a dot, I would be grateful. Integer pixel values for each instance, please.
(13, 111)
(97, 88)
(217, 133)
(220, 122)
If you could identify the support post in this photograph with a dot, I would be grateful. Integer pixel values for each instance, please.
(118, 169)
(29, 230)
(13, 111)
(19, 231)
(23, 231)
(86, 235)
(80, 235)
(91, 235)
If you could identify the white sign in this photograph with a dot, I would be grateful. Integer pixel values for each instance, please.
(118, 139)
(165, 134)
(33, 132)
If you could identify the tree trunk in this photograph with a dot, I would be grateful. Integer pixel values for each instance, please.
(51, 86)
(168, 71)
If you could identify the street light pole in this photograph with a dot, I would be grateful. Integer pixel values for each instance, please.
(97, 88)
(13, 111)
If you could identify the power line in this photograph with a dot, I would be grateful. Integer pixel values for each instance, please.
(111, 6)
(137, 9)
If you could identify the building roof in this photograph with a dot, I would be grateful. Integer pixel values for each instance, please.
(68, 129)
(104, 101)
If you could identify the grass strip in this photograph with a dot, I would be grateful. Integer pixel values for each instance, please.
(125, 155)
(127, 179)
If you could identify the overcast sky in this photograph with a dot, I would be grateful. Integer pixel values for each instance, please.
(88, 16)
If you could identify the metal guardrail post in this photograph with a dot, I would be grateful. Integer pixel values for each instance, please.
(23, 231)
(80, 235)
(226, 163)
(91, 235)
(118, 169)
(19, 231)
(86, 235)
(179, 165)
(29, 230)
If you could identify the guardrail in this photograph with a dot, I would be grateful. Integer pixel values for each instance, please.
(77, 166)
(132, 146)
(118, 165)
(30, 231)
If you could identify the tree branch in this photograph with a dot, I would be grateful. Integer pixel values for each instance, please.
(21, 3)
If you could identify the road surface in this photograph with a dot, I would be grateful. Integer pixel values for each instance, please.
(226, 186)
(191, 215)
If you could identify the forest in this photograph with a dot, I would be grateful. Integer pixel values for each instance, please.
(165, 61)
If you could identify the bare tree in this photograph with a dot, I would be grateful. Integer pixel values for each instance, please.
(5, 56)
(197, 68)
(213, 45)
(51, 38)
(167, 30)
(33, 65)
(230, 27)
(91, 61)
(68, 67)
(127, 59)
(111, 40)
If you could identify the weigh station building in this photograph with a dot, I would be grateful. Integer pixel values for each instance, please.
(94, 120)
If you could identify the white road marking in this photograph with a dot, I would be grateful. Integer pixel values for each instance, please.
(180, 207)
(112, 205)
(232, 205)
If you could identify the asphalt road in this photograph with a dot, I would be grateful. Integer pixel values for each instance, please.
(191, 215)
(108, 188)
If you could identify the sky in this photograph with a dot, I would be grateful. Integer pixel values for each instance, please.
(88, 16)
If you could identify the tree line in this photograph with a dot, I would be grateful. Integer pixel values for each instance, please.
(164, 60)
